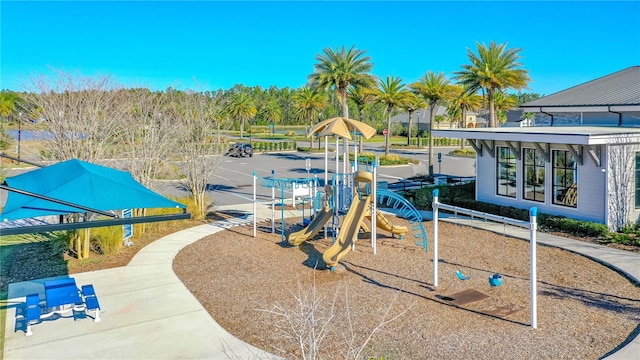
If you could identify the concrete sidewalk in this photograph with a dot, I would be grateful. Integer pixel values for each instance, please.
(149, 314)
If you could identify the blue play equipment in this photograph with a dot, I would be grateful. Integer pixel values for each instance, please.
(495, 280)
(461, 276)
(406, 210)
(342, 191)
(284, 184)
(459, 273)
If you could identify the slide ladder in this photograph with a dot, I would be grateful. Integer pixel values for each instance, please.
(406, 210)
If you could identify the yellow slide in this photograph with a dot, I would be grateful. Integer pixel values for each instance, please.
(351, 223)
(312, 229)
(383, 223)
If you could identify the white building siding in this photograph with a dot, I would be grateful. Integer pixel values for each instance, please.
(591, 185)
(621, 185)
(591, 192)
(486, 179)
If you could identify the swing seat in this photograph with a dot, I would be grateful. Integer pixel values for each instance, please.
(495, 280)
(461, 276)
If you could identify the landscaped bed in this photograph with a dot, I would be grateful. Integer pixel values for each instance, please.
(585, 310)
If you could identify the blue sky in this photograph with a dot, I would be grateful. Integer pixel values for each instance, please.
(213, 45)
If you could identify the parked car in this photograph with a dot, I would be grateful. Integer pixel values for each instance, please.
(240, 150)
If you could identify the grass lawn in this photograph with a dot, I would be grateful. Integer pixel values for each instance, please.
(25, 257)
(36, 256)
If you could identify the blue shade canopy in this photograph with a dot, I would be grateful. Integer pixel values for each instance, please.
(80, 183)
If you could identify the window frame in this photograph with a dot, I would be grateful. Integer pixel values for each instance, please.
(509, 164)
(562, 172)
(637, 181)
(537, 155)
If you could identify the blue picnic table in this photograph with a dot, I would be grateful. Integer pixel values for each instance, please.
(61, 296)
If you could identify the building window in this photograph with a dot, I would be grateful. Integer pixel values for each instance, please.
(533, 188)
(506, 172)
(638, 180)
(565, 179)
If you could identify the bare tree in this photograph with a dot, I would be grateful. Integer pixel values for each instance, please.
(199, 151)
(320, 327)
(621, 180)
(82, 114)
(148, 136)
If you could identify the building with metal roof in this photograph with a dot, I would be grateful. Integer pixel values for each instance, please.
(580, 159)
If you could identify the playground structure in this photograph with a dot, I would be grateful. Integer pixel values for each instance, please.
(318, 223)
(352, 221)
(354, 193)
(357, 211)
(496, 279)
(284, 184)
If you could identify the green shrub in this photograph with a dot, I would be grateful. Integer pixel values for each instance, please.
(384, 160)
(106, 240)
(456, 195)
(463, 152)
(312, 149)
(573, 226)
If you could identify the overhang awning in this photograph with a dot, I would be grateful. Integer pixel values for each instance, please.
(75, 186)
(576, 135)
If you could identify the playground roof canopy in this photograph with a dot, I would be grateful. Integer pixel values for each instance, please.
(76, 186)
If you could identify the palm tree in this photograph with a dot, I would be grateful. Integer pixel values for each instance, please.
(492, 69)
(502, 103)
(241, 107)
(413, 104)
(361, 96)
(271, 112)
(308, 102)
(341, 68)
(433, 88)
(463, 102)
(393, 94)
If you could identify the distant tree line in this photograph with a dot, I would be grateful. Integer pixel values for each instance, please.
(94, 118)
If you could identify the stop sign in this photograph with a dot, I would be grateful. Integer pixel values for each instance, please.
(384, 132)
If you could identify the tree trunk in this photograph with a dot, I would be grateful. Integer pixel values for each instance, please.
(464, 125)
(492, 108)
(86, 242)
(386, 137)
(343, 102)
(432, 117)
(361, 148)
(241, 128)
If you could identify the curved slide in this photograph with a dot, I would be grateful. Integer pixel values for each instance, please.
(383, 223)
(321, 218)
(350, 225)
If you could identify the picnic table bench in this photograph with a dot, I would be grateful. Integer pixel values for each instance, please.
(61, 296)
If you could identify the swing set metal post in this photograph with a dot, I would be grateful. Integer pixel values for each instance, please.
(374, 204)
(533, 212)
(255, 215)
(435, 237)
(531, 225)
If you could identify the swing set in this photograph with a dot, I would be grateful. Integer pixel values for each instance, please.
(496, 279)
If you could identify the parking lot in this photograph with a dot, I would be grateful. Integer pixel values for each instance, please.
(232, 182)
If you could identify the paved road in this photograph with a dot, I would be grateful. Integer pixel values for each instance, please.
(233, 180)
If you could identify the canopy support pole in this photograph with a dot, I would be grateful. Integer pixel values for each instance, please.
(57, 201)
